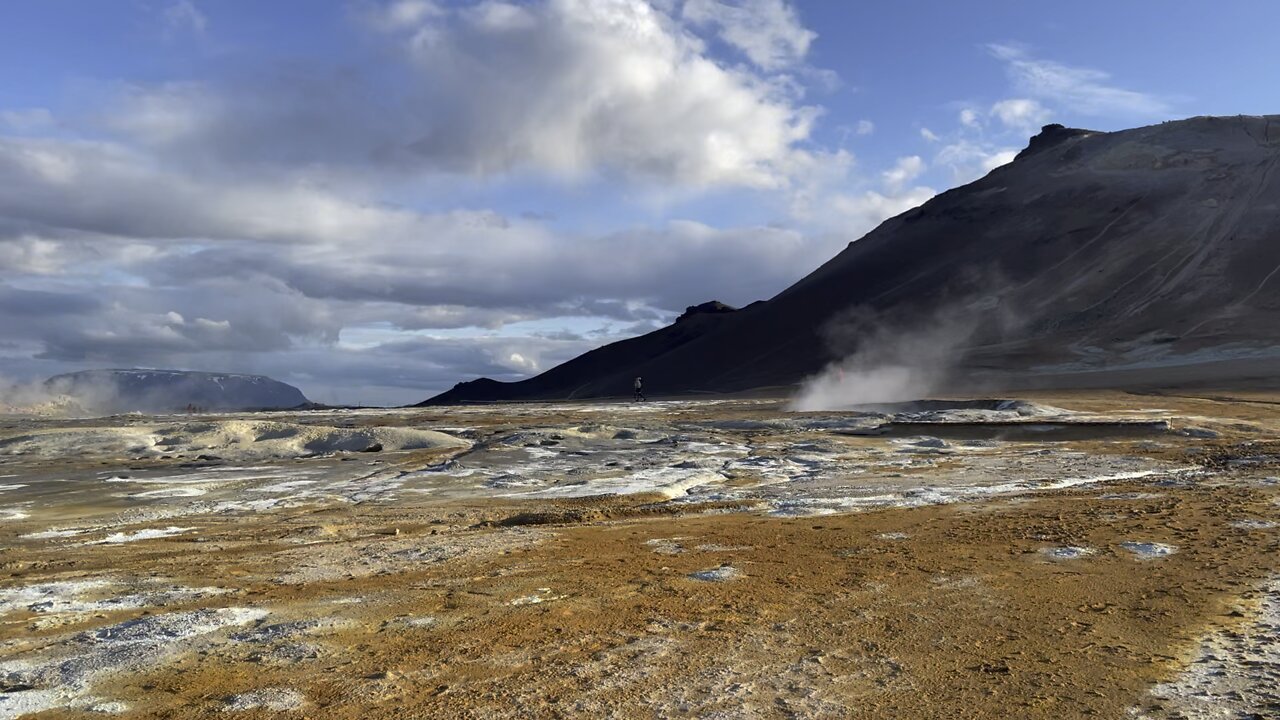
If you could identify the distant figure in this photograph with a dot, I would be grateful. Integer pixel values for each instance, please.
(639, 390)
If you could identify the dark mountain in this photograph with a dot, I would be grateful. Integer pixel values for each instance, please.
(1147, 251)
(173, 390)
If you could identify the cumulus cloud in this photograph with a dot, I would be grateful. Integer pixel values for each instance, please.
(1085, 90)
(1021, 114)
(904, 171)
(567, 88)
(768, 32)
(867, 209)
(986, 137)
(845, 207)
(111, 189)
(970, 159)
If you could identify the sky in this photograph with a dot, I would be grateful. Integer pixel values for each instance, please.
(376, 199)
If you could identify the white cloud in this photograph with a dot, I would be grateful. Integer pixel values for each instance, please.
(26, 120)
(870, 208)
(328, 246)
(903, 172)
(1084, 90)
(576, 89)
(1021, 114)
(970, 118)
(970, 159)
(517, 361)
(768, 32)
(239, 222)
(929, 135)
(995, 159)
(162, 114)
(403, 14)
(837, 203)
(29, 254)
(110, 189)
(184, 16)
(581, 85)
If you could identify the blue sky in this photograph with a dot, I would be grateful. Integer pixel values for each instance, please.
(374, 199)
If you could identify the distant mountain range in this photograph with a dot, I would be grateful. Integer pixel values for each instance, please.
(1094, 258)
(173, 391)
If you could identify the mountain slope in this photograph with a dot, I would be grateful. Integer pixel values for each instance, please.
(1089, 252)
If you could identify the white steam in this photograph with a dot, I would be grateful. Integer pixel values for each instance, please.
(887, 364)
(42, 399)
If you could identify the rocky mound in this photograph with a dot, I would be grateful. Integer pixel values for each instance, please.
(114, 391)
(1092, 259)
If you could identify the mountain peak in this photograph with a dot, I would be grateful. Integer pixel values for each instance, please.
(711, 307)
(1051, 135)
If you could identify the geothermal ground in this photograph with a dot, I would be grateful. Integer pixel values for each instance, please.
(1102, 554)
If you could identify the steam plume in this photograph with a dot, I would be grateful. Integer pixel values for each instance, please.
(885, 362)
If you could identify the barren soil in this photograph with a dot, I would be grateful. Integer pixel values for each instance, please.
(1116, 560)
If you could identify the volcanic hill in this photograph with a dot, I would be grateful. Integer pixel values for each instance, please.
(1093, 258)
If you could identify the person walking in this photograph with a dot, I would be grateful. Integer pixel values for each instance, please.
(639, 390)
